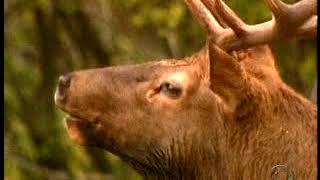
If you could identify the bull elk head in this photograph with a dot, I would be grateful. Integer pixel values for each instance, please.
(223, 113)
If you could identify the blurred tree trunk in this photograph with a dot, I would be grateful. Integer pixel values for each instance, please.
(83, 34)
(39, 110)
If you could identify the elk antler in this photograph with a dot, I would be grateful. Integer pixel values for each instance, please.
(298, 20)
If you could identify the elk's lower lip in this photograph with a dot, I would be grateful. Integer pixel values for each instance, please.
(71, 117)
(79, 130)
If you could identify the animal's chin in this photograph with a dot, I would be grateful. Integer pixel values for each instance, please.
(80, 130)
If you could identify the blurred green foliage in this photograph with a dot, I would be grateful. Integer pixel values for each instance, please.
(46, 38)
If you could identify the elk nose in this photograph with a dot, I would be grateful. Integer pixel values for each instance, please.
(62, 88)
(64, 81)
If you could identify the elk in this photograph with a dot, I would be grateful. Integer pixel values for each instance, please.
(222, 113)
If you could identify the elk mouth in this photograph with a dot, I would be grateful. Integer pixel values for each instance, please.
(80, 130)
(71, 117)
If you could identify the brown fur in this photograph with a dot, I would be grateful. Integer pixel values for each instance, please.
(235, 117)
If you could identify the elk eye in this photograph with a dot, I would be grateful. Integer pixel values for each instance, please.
(171, 90)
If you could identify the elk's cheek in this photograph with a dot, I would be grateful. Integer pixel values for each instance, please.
(162, 102)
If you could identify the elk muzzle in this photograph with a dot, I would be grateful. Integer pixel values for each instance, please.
(62, 89)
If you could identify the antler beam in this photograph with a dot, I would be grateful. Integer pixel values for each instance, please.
(298, 20)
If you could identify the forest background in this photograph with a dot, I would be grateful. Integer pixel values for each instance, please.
(47, 38)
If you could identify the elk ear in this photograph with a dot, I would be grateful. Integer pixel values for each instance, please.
(226, 74)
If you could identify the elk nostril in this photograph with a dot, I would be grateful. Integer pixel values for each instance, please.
(64, 81)
(62, 89)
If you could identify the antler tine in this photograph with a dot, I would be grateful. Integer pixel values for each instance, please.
(210, 4)
(205, 18)
(229, 16)
(278, 8)
(295, 14)
(309, 7)
(297, 20)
